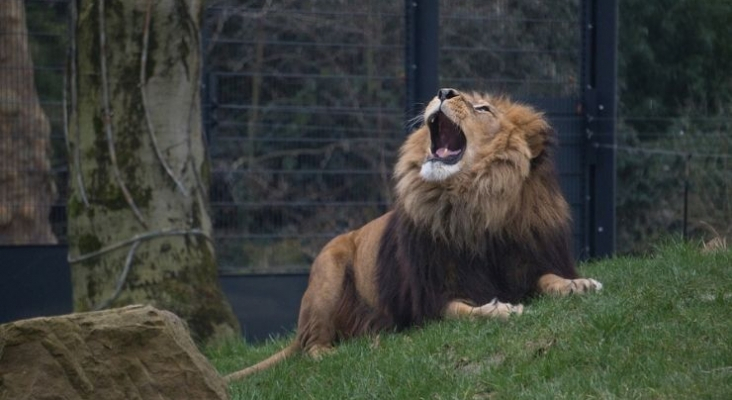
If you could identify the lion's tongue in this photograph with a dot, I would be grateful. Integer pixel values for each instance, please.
(443, 152)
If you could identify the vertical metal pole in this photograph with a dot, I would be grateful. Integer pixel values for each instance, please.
(599, 97)
(687, 166)
(421, 54)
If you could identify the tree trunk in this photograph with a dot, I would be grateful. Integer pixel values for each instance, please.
(27, 185)
(139, 229)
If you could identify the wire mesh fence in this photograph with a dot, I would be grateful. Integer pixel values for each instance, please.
(676, 180)
(305, 111)
(31, 120)
(525, 49)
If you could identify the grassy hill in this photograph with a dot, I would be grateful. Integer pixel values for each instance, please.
(660, 329)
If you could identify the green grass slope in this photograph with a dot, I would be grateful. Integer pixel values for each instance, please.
(660, 329)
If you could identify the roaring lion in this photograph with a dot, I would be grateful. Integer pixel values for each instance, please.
(479, 224)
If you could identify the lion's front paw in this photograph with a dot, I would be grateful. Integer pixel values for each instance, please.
(556, 285)
(497, 309)
(585, 285)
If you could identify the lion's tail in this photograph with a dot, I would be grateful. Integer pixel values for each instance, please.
(264, 364)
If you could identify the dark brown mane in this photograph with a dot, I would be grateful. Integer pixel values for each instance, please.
(417, 275)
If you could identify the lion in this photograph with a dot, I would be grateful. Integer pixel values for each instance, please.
(478, 226)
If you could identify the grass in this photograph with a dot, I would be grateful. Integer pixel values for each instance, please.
(660, 329)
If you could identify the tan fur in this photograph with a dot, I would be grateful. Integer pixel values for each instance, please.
(556, 285)
(495, 309)
(490, 192)
(262, 365)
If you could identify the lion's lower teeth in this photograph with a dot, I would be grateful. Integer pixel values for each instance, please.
(445, 152)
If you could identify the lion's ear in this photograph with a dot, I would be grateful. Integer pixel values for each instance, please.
(534, 127)
(538, 133)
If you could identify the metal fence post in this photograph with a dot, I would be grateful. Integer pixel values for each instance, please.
(421, 54)
(599, 97)
(687, 168)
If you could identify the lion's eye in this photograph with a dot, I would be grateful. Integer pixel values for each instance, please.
(482, 108)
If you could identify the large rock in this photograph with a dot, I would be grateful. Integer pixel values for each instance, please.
(136, 352)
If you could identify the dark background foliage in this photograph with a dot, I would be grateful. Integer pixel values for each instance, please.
(674, 99)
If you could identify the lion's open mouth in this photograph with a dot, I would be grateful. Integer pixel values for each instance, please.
(448, 140)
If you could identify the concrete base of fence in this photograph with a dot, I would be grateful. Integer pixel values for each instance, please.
(36, 281)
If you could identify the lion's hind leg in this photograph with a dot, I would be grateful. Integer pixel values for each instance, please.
(556, 285)
(317, 326)
(494, 309)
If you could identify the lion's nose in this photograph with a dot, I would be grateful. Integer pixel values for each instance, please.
(446, 93)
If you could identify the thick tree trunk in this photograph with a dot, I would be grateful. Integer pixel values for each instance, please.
(139, 230)
(27, 189)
